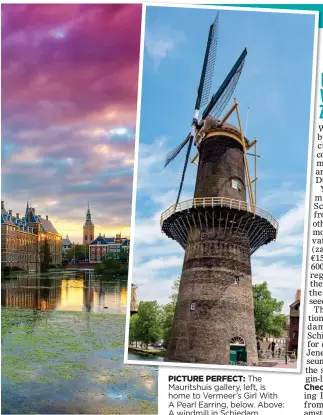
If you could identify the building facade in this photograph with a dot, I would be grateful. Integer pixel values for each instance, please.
(23, 240)
(294, 309)
(88, 228)
(103, 246)
(66, 244)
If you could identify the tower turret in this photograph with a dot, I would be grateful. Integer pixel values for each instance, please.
(88, 228)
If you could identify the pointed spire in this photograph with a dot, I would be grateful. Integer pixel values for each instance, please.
(88, 220)
(27, 210)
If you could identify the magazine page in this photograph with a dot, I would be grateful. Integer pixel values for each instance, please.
(225, 226)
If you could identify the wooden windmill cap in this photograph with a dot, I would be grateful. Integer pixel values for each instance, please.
(212, 129)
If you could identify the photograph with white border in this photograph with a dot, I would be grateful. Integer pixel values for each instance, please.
(220, 196)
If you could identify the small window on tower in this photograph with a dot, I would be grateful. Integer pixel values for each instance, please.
(86, 237)
(236, 280)
(91, 237)
(192, 306)
(237, 184)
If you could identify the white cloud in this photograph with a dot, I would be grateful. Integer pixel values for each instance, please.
(161, 42)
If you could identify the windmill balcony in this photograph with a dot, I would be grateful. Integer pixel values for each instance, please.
(220, 214)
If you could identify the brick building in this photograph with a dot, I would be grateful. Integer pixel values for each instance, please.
(23, 239)
(102, 246)
(294, 309)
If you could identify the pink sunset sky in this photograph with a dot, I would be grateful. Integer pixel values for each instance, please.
(69, 95)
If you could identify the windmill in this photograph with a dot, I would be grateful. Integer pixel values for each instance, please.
(215, 106)
(219, 229)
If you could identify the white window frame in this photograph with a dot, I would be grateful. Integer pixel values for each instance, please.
(237, 184)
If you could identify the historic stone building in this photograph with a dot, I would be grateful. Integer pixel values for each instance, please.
(88, 228)
(23, 239)
(102, 246)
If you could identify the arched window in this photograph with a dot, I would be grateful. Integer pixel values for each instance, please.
(237, 184)
(237, 341)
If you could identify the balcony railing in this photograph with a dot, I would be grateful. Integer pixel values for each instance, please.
(203, 202)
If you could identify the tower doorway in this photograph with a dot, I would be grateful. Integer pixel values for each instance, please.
(238, 353)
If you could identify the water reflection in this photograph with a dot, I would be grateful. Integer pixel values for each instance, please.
(66, 291)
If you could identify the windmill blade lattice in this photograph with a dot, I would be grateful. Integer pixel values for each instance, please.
(172, 154)
(220, 99)
(184, 169)
(210, 61)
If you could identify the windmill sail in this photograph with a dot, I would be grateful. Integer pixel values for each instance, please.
(172, 154)
(184, 169)
(220, 99)
(208, 65)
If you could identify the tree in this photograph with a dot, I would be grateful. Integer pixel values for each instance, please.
(149, 322)
(111, 267)
(169, 312)
(77, 251)
(45, 256)
(268, 316)
(134, 329)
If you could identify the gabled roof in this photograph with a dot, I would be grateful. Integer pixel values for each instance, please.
(110, 240)
(47, 225)
(107, 241)
(66, 242)
(99, 239)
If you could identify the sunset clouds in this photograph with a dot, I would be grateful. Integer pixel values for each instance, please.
(69, 91)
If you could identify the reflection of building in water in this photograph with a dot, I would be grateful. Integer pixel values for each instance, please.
(72, 294)
(24, 238)
(110, 296)
(123, 296)
(30, 292)
(80, 293)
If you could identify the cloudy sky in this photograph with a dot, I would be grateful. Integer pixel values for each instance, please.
(69, 94)
(275, 84)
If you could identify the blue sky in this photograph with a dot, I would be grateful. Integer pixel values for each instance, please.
(275, 84)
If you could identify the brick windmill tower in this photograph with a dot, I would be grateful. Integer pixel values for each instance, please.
(219, 230)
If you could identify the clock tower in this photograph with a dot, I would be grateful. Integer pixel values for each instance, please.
(88, 228)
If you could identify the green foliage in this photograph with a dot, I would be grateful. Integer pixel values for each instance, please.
(77, 251)
(146, 326)
(45, 256)
(134, 328)
(268, 316)
(169, 312)
(111, 267)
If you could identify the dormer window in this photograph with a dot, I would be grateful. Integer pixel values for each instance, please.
(237, 184)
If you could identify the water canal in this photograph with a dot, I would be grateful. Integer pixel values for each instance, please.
(62, 347)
